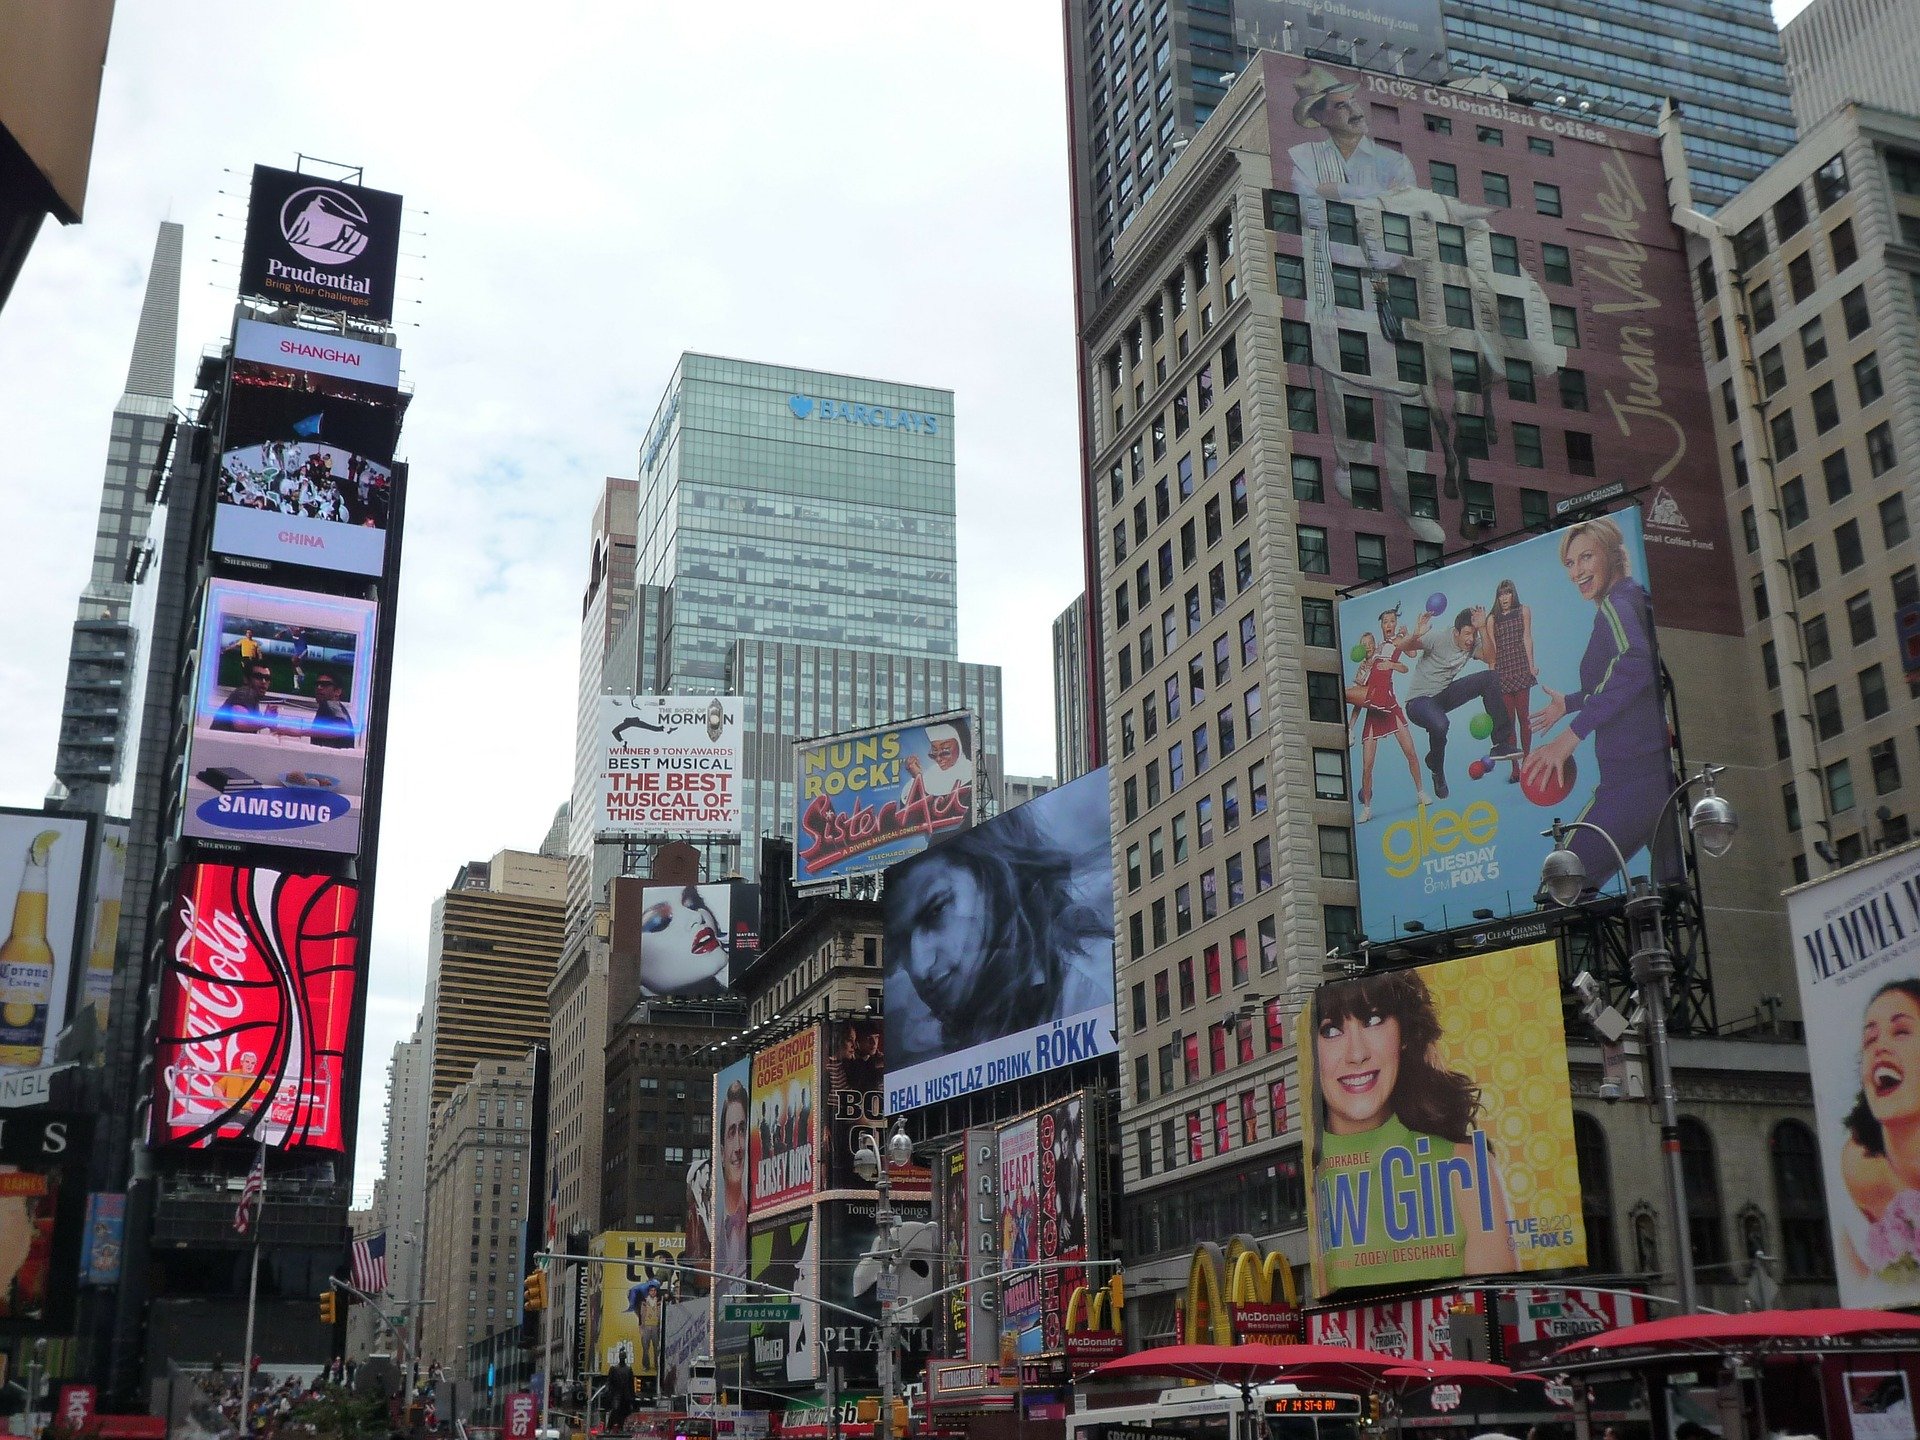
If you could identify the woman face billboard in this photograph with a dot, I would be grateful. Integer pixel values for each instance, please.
(1440, 1123)
(1492, 697)
(1856, 945)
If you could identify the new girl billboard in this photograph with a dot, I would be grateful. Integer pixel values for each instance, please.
(1439, 1127)
(1856, 945)
(1490, 697)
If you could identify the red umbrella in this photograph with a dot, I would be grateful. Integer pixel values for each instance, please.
(1757, 1330)
(1248, 1364)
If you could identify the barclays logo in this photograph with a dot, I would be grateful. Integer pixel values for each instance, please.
(806, 407)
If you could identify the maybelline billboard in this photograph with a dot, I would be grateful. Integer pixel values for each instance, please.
(321, 243)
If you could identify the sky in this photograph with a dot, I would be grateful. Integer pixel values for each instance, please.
(872, 188)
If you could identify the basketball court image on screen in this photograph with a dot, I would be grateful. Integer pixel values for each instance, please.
(279, 739)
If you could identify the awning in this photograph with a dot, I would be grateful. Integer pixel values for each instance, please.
(1758, 1332)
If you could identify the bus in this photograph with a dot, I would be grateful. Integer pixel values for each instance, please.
(1219, 1412)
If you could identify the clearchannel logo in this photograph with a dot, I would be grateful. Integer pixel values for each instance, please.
(878, 417)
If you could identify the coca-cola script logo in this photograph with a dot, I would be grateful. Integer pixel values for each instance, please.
(255, 1005)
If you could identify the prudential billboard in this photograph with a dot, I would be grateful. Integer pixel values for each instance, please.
(999, 950)
(1487, 699)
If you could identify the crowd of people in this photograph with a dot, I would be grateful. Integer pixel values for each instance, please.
(293, 477)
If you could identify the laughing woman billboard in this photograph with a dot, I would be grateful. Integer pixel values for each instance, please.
(1440, 1127)
(999, 949)
(1856, 941)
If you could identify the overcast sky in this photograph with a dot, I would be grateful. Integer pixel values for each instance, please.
(872, 188)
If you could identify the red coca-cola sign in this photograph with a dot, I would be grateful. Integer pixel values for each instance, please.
(256, 1001)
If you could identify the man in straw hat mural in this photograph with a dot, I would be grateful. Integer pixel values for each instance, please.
(1407, 403)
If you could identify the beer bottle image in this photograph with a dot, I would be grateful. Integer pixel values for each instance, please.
(106, 927)
(26, 962)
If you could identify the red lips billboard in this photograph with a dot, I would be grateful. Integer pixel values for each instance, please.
(256, 1002)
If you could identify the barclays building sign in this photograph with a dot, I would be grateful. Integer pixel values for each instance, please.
(879, 417)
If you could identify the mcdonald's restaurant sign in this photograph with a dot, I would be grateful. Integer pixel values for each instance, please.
(1238, 1295)
(1095, 1331)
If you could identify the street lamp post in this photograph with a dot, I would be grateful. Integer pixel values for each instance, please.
(870, 1166)
(1564, 877)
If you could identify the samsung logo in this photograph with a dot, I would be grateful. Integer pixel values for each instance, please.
(878, 417)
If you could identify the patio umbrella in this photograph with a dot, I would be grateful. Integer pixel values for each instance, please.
(1249, 1364)
(1757, 1331)
(1417, 1374)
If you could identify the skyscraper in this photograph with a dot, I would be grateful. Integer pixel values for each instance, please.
(1071, 743)
(1862, 50)
(93, 717)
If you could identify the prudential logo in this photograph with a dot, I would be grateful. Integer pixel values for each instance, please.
(877, 417)
(323, 225)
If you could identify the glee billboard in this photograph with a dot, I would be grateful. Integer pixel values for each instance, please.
(1487, 699)
(1439, 1128)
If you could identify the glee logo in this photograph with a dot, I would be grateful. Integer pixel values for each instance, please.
(1436, 832)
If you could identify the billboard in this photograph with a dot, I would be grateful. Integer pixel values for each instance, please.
(1856, 947)
(109, 881)
(321, 243)
(281, 705)
(950, 1202)
(1045, 1217)
(307, 474)
(1489, 698)
(871, 798)
(631, 1323)
(43, 1206)
(1439, 1124)
(670, 764)
(256, 1004)
(695, 938)
(731, 1192)
(784, 1256)
(105, 1237)
(1559, 279)
(785, 1085)
(43, 862)
(999, 949)
(854, 1269)
(1405, 34)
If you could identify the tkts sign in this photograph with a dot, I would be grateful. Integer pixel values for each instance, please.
(320, 243)
(256, 1002)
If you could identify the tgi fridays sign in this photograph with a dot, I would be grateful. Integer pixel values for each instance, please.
(1542, 1321)
(1415, 1330)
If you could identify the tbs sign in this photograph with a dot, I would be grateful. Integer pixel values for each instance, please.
(321, 243)
(878, 417)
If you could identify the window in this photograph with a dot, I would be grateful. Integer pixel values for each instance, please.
(1846, 542)
(1283, 212)
(1566, 326)
(1770, 664)
(1443, 179)
(1773, 370)
(1172, 693)
(1760, 298)
(1130, 791)
(1513, 316)
(1793, 502)
(1750, 245)
(1800, 276)
(1397, 232)
(1439, 124)
(1307, 483)
(1799, 1198)
(1466, 370)
(1580, 452)
(1830, 181)
(1785, 439)
(1506, 254)
(1316, 621)
(1546, 198)
(1704, 1218)
(1813, 636)
(1182, 909)
(1403, 296)
(1296, 342)
(1303, 409)
(1790, 213)
(1839, 786)
(1498, 189)
(1573, 388)
(1365, 486)
(1251, 702)
(1459, 306)
(1262, 864)
(1596, 1191)
(1133, 867)
(1342, 925)
(1750, 530)
(1453, 244)
(1885, 764)
(1324, 697)
(1536, 509)
(1256, 788)
(1860, 626)
(1250, 636)
(1489, 135)
(1880, 455)
(1410, 361)
(1290, 276)
(1827, 720)
(1416, 427)
(1893, 522)
(1353, 353)
(1330, 774)
(1813, 344)
(1853, 310)
(1826, 407)
(1237, 489)
(1349, 288)
(1236, 881)
(1343, 228)
(1212, 515)
(1526, 446)
(1336, 852)
(1314, 557)
(1423, 495)
(1203, 821)
(1873, 692)
(1126, 735)
(1866, 379)
(1845, 251)
(1370, 556)
(1806, 571)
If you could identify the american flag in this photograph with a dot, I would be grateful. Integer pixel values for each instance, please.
(252, 1194)
(370, 1263)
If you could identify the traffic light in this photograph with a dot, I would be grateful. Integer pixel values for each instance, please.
(329, 1307)
(534, 1292)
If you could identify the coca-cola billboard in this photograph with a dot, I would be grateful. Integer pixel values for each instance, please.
(256, 1003)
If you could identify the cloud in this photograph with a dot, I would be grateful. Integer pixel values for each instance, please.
(871, 188)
